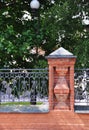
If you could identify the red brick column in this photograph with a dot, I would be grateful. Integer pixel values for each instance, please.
(72, 86)
(61, 80)
(51, 83)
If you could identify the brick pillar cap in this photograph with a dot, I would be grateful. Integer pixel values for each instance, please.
(60, 53)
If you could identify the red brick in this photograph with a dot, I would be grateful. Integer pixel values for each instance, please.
(54, 120)
(60, 67)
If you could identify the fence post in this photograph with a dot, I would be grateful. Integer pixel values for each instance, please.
(61, 79)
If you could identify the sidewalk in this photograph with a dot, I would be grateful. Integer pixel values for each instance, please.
(54, 120)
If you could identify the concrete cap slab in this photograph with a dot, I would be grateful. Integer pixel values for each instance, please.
(61, 53)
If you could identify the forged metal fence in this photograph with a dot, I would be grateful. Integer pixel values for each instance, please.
(81, 89)
(23, 85)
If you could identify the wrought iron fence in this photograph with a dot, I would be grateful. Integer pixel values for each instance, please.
(81, 87)
(23, 85)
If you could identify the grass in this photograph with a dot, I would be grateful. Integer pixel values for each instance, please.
(19, 103)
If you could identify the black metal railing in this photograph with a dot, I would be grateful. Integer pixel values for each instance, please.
(23, 85)
(81, 87)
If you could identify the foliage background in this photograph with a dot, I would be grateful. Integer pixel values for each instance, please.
(57, 23)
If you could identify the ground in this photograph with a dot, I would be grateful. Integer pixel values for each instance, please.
(54, 120)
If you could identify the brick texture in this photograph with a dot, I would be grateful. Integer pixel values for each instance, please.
(54, 120)
(61, 83)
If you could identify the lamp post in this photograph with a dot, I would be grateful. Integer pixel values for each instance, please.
(34, 5)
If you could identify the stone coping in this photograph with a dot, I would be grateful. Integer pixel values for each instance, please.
(62, 56)
(25, 109)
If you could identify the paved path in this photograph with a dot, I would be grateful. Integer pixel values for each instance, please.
(54, 120)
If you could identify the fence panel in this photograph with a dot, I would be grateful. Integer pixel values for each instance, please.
(23, 86)
(81, 90)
